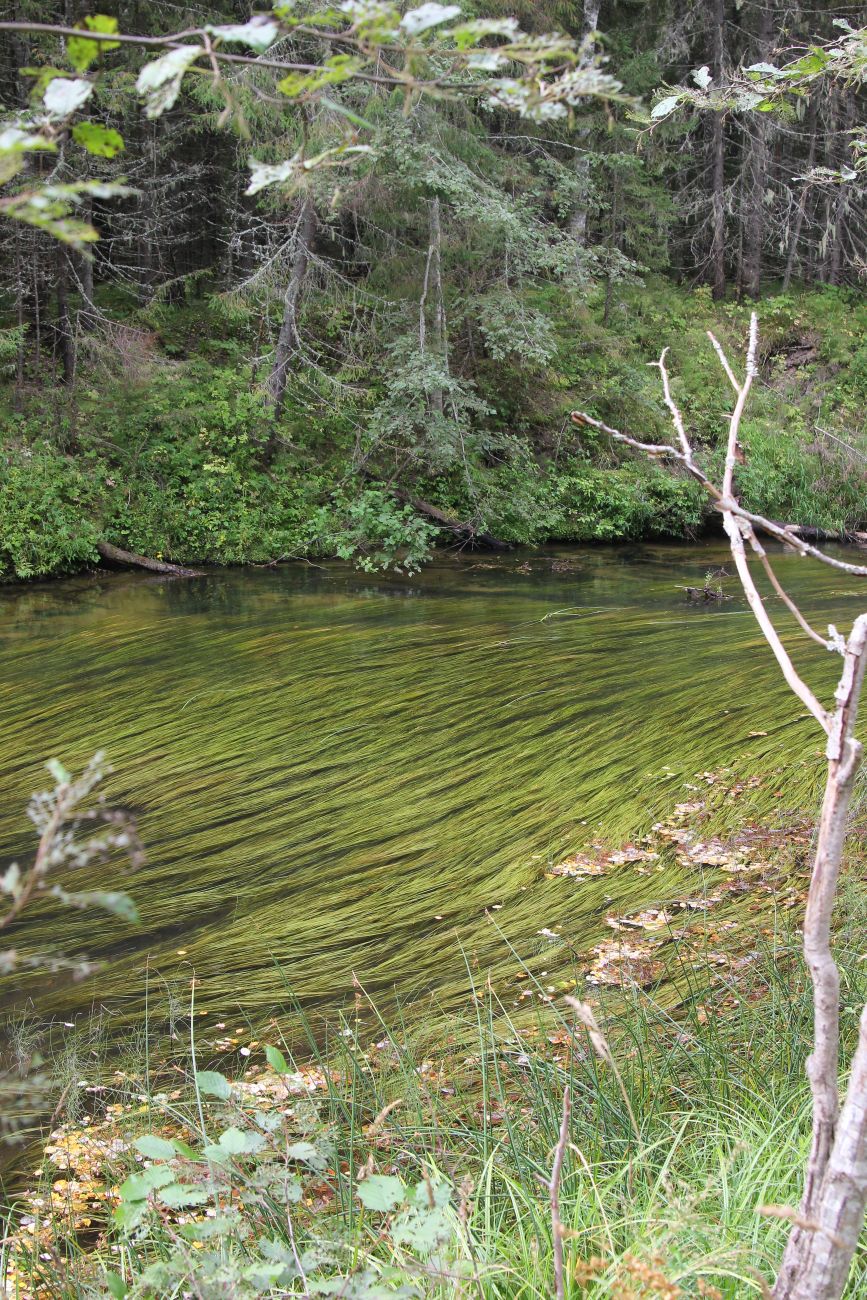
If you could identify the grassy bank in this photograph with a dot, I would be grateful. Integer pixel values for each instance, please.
(159, 445)
(367, 1158)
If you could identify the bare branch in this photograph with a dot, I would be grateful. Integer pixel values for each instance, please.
(724, 362)
(676, 417)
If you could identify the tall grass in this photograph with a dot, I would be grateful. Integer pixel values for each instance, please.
(675, 1183)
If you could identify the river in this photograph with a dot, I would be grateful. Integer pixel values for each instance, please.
(339, 774)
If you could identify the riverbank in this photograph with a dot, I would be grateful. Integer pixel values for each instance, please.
(398, 1155)
(173, 455)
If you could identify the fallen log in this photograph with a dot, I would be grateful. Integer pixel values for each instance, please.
(129, 560)
(467, 531)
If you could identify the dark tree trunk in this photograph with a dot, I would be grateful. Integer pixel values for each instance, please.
(65, 346)
(757, 172)
(794, 238)
(718, 245)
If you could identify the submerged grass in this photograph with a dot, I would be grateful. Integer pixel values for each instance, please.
(675, 1183)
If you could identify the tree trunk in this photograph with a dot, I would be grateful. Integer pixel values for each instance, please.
(792, 257)
(718, 246)
(435, 269)
(819, 1251)
(129, 559)
(578, 220)
(288, 340)
(757, 172)
(65, 344)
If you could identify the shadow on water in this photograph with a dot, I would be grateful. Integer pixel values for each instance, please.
(340, 774)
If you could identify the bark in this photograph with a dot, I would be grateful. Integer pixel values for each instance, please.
(718, 246)
(578, 220)
(820, 1247)
(65, 345)
(792, 257)
(439, 320)
(288, 340)
(129, 559)
(757, 173)
(841, 206)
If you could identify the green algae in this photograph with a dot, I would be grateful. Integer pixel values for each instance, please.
(341, 776)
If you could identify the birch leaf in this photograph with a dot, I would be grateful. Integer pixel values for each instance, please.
(258, 33)
(65, 95)
(665, 106)
(160, 81)
(427, 15)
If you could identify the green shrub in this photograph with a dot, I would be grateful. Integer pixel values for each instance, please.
(45, 513)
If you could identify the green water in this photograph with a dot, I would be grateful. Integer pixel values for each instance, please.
(324, 763)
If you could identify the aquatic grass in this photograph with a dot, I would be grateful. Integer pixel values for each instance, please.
(346, 774)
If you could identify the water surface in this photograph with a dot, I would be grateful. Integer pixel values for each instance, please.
(339, 774)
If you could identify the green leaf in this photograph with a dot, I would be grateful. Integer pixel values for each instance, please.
(179, 1195)
(116, 1286)
(81, 51)
(155, 1148)
(129, 1214)
(381, 1192)
(221, 1226)
(138, 1187)
(184, 1149)
(99, 140)
(665, 106)
(276, 1060)
(308, 1154)
(58, 771)
(213, 1084)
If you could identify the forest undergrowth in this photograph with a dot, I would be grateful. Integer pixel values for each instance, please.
(161, 451)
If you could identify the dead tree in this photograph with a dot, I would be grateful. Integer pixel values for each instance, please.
(825, 1230)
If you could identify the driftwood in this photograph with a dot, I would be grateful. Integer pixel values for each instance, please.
(129, 560)
(827, 1224)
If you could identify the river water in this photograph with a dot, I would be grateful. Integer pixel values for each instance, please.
(338, 774)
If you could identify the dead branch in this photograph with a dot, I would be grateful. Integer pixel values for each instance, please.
(826, 1227)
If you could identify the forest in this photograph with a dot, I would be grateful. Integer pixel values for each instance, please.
(433, 533)
(387, 356)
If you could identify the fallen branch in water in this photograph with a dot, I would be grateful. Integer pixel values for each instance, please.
(826, 1227)
(129, 559)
